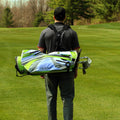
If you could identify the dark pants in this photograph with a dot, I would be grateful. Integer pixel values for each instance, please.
(65, 81)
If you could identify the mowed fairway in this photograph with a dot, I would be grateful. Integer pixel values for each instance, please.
(97, 94)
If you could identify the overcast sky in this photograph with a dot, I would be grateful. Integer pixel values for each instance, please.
(12, 1)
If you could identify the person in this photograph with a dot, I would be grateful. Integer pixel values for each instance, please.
(65, 80)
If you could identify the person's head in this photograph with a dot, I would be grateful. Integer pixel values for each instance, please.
(59, 14)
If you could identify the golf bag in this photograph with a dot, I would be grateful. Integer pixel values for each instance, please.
(34, 62)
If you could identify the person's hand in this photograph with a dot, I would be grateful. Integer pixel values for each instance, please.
(42, 76)
(75, 73)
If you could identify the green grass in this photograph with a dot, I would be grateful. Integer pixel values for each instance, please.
(97, 94)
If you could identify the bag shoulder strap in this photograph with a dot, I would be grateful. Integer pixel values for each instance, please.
(52, 27)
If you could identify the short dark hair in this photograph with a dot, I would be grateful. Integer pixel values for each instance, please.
(59, 13)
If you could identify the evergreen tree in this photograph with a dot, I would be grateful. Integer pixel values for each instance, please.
(75, 9)
(109, 9)
(52, 4)
(38, 19)
(8, 18)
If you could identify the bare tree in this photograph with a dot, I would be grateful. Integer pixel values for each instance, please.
(0, 5)
(15, 4)
(24, 12)
(7, 3)
(0, 10)
(42, 5)
(15, 11)
(33, 6)
(21, 3)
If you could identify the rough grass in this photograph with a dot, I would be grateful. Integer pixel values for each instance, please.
(97, 94)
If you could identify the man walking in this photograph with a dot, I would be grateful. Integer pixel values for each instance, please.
(65, 81)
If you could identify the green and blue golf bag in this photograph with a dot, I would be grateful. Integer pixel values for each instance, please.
(34, 62)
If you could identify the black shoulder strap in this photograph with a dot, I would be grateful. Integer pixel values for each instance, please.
(52, 27)
(66, 27)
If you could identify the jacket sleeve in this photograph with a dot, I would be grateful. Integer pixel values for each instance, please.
(75, 42)
(41, 43)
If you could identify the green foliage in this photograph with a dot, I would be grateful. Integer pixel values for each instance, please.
(74, 9)
(38, 19)
(52, 4)
(49, 17)
(8, 18)
(108, 9)
(83, 11)
(79, 9)
(55, 3)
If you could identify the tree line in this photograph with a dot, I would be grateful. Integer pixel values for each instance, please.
(34, 13)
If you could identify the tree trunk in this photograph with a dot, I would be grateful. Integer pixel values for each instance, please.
(72, 21)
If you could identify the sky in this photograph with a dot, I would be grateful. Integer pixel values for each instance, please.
(12, 1)
(17, 0)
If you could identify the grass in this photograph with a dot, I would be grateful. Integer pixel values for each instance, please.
(97, 94)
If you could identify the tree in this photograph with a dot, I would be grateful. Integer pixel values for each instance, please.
(8, 18)
(52, 5)
(75, 9)
(38, 19)
(109, 9)
(79, 9)
(33, 6)
(1, 11)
